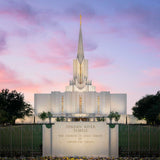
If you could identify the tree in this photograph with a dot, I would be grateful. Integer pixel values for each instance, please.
(100, 119)
(45, 115)
(111, 116)
(13, 106)
(114, 115)
(60, 119)
(148, 108)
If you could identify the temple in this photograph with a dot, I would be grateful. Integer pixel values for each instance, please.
(80, 101)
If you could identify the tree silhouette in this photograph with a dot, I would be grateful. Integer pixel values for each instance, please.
(13, 106)
(114, 115)
(148, 108)
(111, 116)
(45, 115)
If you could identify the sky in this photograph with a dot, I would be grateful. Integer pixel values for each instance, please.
(38, 42)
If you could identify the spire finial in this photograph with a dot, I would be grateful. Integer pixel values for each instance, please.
(80, 19)
(80, 53)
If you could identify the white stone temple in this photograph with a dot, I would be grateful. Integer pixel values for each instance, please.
(80, 98)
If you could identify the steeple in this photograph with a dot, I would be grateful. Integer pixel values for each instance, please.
(80, 80)
(80, 53)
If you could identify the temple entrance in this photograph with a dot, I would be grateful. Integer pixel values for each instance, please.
(80, 119)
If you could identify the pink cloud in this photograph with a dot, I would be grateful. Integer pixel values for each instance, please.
(20, 11)
(56, 85)
(150, 41)
(2, 41)
(24, 13)
(134, 14)
(18, 14)
(56, 62)
(145, 23)
(100, 62)
(101, 87)
(7, 75)
(28, 86)
(140, 24)
(152, 82)
(9, 79)
(61, 46)
(152, 78)
(153, 72)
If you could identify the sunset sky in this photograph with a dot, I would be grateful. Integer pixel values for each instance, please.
(39, 38)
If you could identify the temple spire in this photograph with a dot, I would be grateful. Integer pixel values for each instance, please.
(80, 53)
(80, 19)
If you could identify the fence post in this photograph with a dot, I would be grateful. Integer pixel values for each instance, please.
(21, 140)
(128, 140)
(51, 140)
(149, 139)
(139, 141)
(109, 142)
(0, 142)
(159, 140)
(11, 140)
(32, 140)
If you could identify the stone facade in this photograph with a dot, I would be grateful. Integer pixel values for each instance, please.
(80, 102)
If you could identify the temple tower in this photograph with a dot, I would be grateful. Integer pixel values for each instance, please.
(80, 69)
